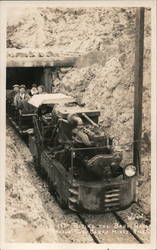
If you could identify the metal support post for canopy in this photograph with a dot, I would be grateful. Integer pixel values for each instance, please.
(48, 79)
(138, 88)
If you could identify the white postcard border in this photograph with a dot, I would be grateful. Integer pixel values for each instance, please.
(123, 3)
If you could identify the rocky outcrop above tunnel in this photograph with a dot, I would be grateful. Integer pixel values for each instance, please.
(66, 29)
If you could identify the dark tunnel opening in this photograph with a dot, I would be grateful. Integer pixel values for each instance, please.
(24, 75)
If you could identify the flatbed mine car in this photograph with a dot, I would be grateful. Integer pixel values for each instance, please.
(78, 160)
(22, 121)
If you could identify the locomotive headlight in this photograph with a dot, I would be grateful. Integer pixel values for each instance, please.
(130, 170)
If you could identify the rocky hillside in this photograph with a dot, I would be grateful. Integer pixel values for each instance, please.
(82, 29)
(104, 77)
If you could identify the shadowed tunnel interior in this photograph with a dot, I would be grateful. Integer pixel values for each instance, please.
(24, 75)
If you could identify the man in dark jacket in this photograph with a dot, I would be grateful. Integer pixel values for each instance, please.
(21, 97)
(12, 93)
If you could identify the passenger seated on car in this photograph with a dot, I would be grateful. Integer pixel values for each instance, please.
(11, 95)
(41, 89)
(21, 98)
(33, 90)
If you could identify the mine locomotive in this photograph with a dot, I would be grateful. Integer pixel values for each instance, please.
(79, 161)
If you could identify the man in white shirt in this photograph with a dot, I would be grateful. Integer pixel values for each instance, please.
(33, 90)
(21, 97)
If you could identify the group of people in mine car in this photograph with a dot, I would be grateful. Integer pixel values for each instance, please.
(20, 95)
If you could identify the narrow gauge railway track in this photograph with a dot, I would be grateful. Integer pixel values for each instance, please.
(123, 223)
(111, 234)
(119, 220)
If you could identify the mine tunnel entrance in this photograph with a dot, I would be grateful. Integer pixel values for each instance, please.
(28, 76)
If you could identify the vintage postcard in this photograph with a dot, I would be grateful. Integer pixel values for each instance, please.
(78, 125)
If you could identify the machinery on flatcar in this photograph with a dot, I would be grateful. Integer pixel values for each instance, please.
(79, 161)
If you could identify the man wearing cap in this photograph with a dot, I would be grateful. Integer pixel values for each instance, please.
(12, 93)
(33, 90)
(21, 97)
(41, 89)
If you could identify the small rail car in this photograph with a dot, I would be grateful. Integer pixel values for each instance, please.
(78, 160)
(22, 121)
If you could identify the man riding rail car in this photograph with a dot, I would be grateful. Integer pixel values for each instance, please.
(11, 94)
(20, 112)
(21, 98)
(34, 90)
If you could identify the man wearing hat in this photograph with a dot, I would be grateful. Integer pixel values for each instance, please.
(21, 97)
(33, 90)
(16, 88)
(12, 93)
(41, 89)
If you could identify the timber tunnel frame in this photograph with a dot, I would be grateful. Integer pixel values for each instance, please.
(39, 70)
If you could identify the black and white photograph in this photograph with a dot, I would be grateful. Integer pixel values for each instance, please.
(78, 124)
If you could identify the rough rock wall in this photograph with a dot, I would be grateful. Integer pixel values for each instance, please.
(106, 89)
(104, 78)
(79, 29)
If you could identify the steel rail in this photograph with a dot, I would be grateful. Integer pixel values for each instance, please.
(95, 239)
(119, 219)
(123, 223)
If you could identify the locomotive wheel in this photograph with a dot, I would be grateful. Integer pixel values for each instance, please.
(41, 171)
(37, 165)
(83, 138)
(61, 202)
(56, 195)
(50, 186)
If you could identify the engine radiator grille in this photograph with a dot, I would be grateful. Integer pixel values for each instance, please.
(112, 199)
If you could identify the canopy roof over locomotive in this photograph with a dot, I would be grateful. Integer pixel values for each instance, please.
(64, 111)
(38, 100)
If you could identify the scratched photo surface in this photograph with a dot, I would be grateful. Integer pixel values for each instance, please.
(90, 55)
